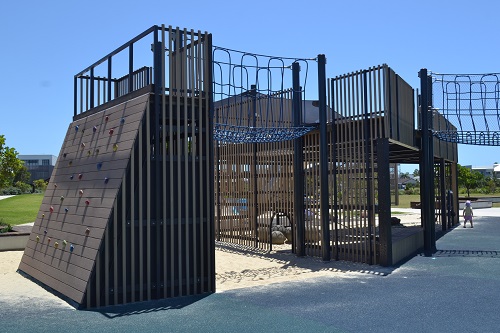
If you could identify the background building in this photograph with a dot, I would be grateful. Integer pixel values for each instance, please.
(488, 171)
(39, 166)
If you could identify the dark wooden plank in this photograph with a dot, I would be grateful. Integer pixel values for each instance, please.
(81, 256)
(65, 261)
(78, 239)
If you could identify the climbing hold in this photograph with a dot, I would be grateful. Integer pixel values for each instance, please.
(76, 128)
(70, 163)
(48, 240)
(56, 245)
(115, 147)
(106, 180)
(71, 177)
(94, 128)
(64, 155)
(80, 176)
(62, 198)
(37, 239)
(87, 202)
(89, 153)
(66, 209)
(43, 215)
(122, 121)
(83, 145)
(55, 185)
(99, 166)
(97, 151)
(45, 231)
(64, 243)
(106, 118)
(51, 209)
(111, 131)
(81, 192)
(87, 231)
(71, 248)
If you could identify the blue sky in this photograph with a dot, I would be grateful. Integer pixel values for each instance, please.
(45, 43)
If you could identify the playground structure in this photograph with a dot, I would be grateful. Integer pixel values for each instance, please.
(176, 143)
(331, 186)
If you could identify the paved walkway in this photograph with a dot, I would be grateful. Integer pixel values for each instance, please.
(456, 290)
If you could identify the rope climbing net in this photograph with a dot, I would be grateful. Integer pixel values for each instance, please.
(471, 105)
(253, 97)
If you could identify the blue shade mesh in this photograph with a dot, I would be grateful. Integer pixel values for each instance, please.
(253, 97)
(471, 105)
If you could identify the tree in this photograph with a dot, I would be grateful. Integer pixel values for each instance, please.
(416, 173)
(22, 175)
(404, 175)
(469, 178)
(9, 164)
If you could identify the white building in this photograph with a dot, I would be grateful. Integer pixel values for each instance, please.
(490, 171)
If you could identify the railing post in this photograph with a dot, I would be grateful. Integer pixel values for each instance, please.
(368, 168)
(442, 192)
(92, 87)
(323, 160)
(384, 202)
(109, 78)
(131, 64)
(427, 167)
(75, 96)
(298, 165)
(253, 93)
(157, 187)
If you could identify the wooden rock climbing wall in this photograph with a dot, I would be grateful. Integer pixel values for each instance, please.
(78, 203)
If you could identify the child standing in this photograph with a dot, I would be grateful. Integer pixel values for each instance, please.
(468, 213)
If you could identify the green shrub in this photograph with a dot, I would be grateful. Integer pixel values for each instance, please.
(40, 185)
(5, 227)
(10, 191)
(23, 187)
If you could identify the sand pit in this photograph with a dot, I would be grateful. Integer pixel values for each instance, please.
(236, 267)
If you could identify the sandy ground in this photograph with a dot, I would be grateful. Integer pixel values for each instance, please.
(236, 267)
(17, 290)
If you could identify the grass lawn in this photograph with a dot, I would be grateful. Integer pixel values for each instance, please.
(405, 199)
(20, 209)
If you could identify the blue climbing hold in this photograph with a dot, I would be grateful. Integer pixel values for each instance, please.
(71, 248)
(99, 166)
(76, 128)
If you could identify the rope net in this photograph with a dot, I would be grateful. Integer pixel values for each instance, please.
(253, 97)
(470, 104)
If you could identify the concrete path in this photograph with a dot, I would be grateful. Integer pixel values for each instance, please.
(456, 290)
